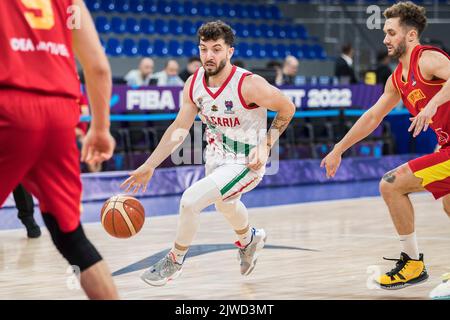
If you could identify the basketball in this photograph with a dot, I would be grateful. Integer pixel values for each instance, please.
(122, 216)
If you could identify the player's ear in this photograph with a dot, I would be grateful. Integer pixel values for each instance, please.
(412, 35)
(231, 52)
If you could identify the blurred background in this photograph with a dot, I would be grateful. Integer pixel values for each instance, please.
(327, 55)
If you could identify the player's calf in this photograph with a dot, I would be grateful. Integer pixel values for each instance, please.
(446, 205)
(74, 246)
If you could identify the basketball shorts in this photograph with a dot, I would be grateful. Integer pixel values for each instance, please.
(434, 170)
(38, 150)
(233, 180)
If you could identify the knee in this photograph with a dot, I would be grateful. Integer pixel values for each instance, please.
(386, 188)
(74, 246)
(187, 203)
(447, 208)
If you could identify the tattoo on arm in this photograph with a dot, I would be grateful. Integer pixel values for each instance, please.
(280, 124)
(390, 176)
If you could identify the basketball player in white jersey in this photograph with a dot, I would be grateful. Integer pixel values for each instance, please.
(233, 104)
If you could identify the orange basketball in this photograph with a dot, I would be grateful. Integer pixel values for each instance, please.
(122, 216)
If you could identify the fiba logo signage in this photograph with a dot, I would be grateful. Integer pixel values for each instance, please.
(169, 99)
(152, 100)
(320, 98)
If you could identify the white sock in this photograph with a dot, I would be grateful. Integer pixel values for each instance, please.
(245, 238)
(409, 245)
(178, 255)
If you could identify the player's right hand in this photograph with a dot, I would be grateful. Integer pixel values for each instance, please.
(98, 146)
(138, 179)
(331, 163)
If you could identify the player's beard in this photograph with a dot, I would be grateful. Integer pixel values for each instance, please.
(400, 50)
(219, 68)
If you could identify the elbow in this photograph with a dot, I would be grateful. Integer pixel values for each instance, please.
(99, 71)
(291, 109)
(374, 119)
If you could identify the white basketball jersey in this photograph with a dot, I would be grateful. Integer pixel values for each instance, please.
(232, 127)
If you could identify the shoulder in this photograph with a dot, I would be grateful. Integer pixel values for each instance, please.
(255, 88)
(432, 61)
(253, 81)
(188, 87)
(430, 57)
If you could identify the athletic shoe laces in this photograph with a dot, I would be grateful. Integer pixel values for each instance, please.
(398, 266)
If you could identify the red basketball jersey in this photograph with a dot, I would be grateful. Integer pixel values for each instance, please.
(416, 92)
(36, 47)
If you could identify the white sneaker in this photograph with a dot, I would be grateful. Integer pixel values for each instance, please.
(248, 255)
(163, 271)
(442, 291)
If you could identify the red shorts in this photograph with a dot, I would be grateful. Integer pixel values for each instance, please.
(38, 149)
(434, 170)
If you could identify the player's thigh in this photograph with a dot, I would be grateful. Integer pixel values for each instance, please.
(55, 179)
(401, 179)
(18, 152)
(434, 171)
(234, 180)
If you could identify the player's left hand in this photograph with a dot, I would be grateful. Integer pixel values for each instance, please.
(258, 157)
(422, 120)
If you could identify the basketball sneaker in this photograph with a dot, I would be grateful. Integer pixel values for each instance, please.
(163, 271)
(442, 291)
(407, 272)
(248, 255)
(33, 229)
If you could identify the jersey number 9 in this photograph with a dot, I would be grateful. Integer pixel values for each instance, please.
(44, 21)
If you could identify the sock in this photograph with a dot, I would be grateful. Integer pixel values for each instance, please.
(409, 245)
(246, 237)
(178, 255)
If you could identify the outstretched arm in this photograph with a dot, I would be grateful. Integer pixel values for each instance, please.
(365, 125)
(173, 137)
(257, 90)
(176, 133)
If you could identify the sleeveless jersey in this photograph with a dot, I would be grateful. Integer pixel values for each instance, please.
(36, 47)
(416, 92)
(233, 128)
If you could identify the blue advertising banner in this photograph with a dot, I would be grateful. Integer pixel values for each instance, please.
(127, 99)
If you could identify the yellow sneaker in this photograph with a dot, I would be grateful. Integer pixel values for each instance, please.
(407, 272)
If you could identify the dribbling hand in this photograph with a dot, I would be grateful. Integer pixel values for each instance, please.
(138, 179)
(331, 163)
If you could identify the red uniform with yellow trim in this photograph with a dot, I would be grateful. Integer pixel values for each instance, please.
(416, 92)
(39, 89)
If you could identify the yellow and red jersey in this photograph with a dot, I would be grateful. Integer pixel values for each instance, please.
(36, 47)
(416, 92)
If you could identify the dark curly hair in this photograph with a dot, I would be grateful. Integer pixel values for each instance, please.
(215, 30)
(410, 15)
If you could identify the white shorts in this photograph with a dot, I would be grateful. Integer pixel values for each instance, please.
(233, 179)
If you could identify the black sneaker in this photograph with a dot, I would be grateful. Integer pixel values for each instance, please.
(33, 230)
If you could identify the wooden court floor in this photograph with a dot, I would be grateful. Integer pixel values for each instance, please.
(322, 250)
